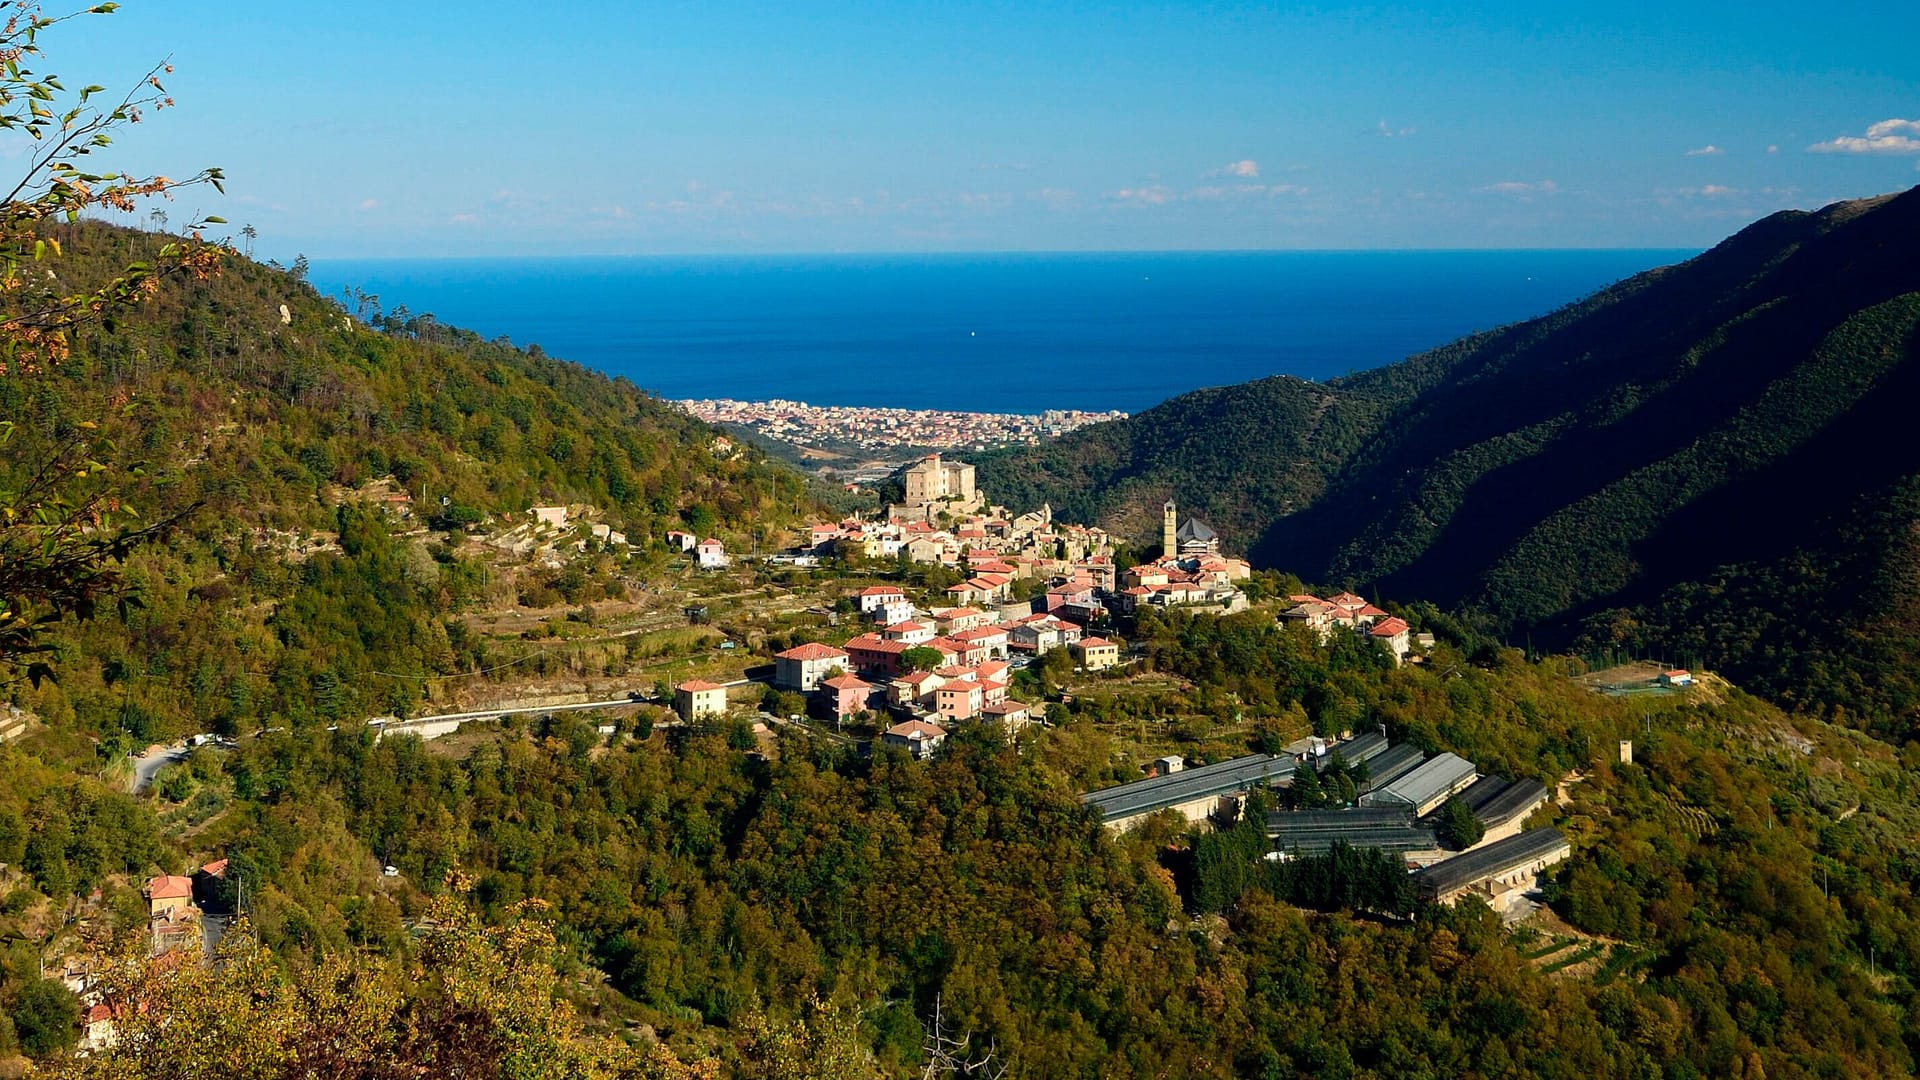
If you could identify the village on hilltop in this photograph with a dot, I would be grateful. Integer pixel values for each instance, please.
(1029, 585)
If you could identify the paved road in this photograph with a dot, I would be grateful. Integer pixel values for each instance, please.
(149, 764)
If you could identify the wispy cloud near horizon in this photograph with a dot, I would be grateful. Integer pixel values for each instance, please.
(1519, 187)
(1156, 195)
(1708, 150)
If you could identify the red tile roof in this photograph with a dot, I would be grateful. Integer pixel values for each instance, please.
(1389, 627)
(881, 590)
(694, 686)
(812, 650)
(875, 643)
(170, 887)
(847, 682)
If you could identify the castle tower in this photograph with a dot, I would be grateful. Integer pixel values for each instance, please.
(1169, 525)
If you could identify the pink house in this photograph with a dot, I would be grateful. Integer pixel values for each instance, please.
(846, 696)
(961, 699)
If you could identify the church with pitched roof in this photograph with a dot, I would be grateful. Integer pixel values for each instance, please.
(1189, 539)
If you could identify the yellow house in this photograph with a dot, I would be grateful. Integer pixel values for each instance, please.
(1096, 654)
(169, 897)
(697, 697)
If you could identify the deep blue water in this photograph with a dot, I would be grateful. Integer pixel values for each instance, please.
(992, 333)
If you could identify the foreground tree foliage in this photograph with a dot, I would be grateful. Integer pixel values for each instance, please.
(63, 524)
(476, 1001)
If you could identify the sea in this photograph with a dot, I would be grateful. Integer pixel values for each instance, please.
(1011, 333)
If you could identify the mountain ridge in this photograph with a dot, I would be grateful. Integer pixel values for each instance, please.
(1559, 474)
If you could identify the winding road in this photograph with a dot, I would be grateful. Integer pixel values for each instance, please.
(149, 764)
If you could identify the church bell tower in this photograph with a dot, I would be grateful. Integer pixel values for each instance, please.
(1169, 525)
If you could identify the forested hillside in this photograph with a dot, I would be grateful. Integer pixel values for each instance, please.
(288, 443)
(1705, 461)
(1751, 900)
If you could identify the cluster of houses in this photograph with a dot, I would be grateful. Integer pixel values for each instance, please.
(1349, 613)
(961, 674)
(984, 630)
(947, 520)
(1190, 572)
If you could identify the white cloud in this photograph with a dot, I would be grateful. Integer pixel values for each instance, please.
(1157, 195)
(984, 200)
(1893, 127)
(1519, 187)
(1893, 136)
(1056, 198)
(1771, 149)
(1708, 150)
(1388, 131)
(1246, 169)
(369, 204)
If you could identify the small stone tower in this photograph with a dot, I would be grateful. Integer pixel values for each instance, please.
(1169, 525)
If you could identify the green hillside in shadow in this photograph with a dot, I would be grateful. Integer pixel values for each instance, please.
(1705, 460)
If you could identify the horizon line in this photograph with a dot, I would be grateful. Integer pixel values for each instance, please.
(983, 252)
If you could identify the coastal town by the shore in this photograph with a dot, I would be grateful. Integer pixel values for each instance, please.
(846, 429)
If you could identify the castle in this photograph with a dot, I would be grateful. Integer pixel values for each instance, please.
(933, 486)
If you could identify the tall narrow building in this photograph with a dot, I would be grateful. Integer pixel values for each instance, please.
(1169, 525)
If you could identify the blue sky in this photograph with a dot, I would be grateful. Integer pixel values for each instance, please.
(353, 129)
